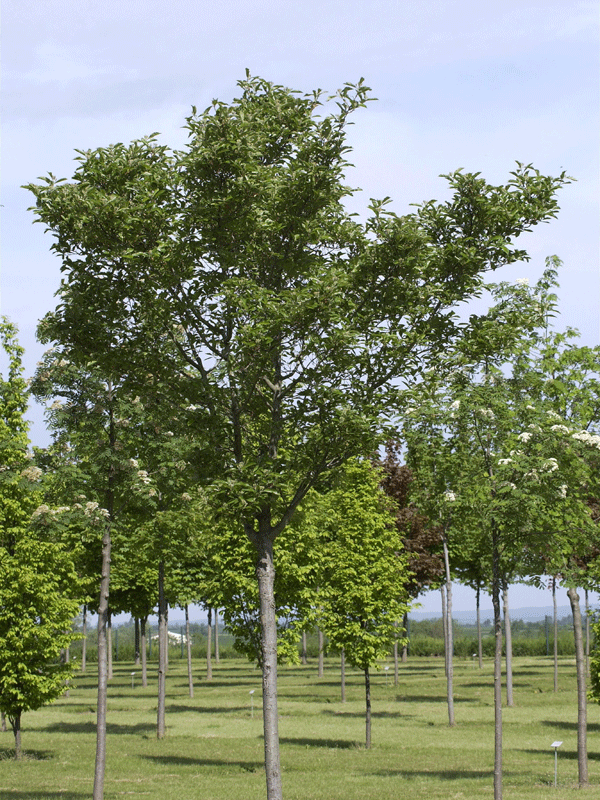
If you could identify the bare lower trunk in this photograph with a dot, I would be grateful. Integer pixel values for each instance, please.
(582, 759)
(217, 659)
(109, 645)
(406, 641)
(508, 648)
(304, 658)
(143, 649)
(2, 721)
(15, 722)
(137, 641)
(449, 640)
(396, 655)
(343, 675)
(209, 647)
(265, 572)
(367, 709)
(162, 652)
(102, 669)
(84, 641)
(479, 638)
(555, 610)
(189, 652)
(445, 627)
(497, 666)
(587, 633)
(321, 654)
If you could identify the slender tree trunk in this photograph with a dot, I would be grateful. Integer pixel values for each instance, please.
(67, 660)
(15, 723)
(582, 759)
(189, 651)
(367, 709)
(84, 641)
(265, 572)
(137, 641)
(209, 647)
(162, 652)
(143, 649)
(396, 654)
(321, 671)
(445, 627)
(343, 674)
(2, 721)
(109, 645)
(587, 633)
(406, 625)
(479, 638)
(497, 664)
(449, 639)
(555, 611)
(217, 636)
(102, 669)
(304, 658)
(508, 647)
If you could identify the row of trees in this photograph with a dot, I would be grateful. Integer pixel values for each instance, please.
(228, 337)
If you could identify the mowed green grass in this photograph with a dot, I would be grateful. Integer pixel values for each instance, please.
(213, 748)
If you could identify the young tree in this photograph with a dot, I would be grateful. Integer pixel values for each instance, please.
(287, 318)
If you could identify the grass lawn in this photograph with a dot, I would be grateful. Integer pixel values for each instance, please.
(213, 748)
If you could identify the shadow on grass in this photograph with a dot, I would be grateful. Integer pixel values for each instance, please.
(186, 761)
(8, 754)
(592, 727)
(90, 727)
(207, 709)
(336, 744)
(442, 775)
(569, 755)
(361, 714)
(15, 794)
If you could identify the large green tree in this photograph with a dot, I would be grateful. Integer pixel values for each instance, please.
(287, 318)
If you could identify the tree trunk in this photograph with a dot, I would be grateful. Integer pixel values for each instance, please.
(137, 641)
(84, 641)
(265, 572)
(162, 652)
(2, 721)
(449, 639)
(321, 671)
(217, 659)
(109, 645)
(445, 627)
(209, 647)
(343, 674)
(102, 669)
(479, 639)
(508, 648)
(396, 654)
(406, 643)
(555, 610)
(16, 727)
(304, 658)
(587, 633)
(582, 759)
(497, 664)
(189, 651)
(143, 621)
(367, 709)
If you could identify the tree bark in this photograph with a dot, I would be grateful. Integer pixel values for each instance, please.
(343, 675)
(396, 654)
(2, 721)
(217, 659)
(321, 670)
(449, 639)
(508, 648)
(587, 633)
(109, 644)
(98, 793)
(555, 611)
(143, 621)
(265, 572)
(497, 664)
(479, 638)
(189, 651)
(407, 641)
(445, 627)
(209, 647)
(304, 658)
(162, 652)
(16, 727)
(84, 641)
(582, 759)
(137, 641)
(367, 709)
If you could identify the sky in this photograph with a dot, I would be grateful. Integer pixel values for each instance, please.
(459, 83)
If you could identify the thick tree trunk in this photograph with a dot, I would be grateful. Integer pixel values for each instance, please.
(304, 658)
(479, 638)
(582, 759)
(162, 652)
(102, 669)
(137, 641)
(209, 647)
(321, 647)
(367, 709)
(217, 659)
(343, 675)
(84, 641)
(189, 651)
(497, 665)
(265, 572)
(449, 639)
(16, 727)
(555, 611)
(143, 621)
(508, 648)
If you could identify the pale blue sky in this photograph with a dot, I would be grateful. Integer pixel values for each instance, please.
(460, 83)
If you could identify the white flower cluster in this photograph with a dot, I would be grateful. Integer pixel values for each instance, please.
(450, 497)
(44, 509)
(553, 414)
(455, 405)
(559, 429)
(143, 476)
(551, 465)
(91, 507)
(522, 281)
(562, 490)
(588, 438)
(32, 473)
(487, 413)
(534, 427)
(504, 461)
(525, 436)
(133, 463)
